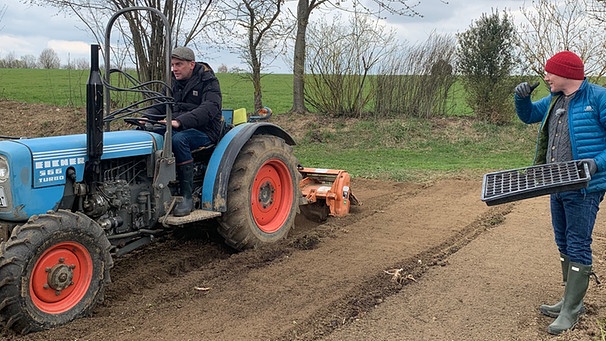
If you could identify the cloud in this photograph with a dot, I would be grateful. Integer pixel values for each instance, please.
(18, 45)
(27, 30)
(448, 17)
(33, 45)
(73, 49)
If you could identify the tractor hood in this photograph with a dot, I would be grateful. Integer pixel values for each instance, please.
(52, 156)
(37, 167)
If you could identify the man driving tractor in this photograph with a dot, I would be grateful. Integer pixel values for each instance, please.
(196, 118)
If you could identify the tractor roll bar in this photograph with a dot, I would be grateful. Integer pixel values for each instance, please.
(167, 43)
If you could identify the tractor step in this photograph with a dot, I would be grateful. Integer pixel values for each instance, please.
(195, 215)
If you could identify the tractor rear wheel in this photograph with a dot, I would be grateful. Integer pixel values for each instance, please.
(53, 269)
(262, 194)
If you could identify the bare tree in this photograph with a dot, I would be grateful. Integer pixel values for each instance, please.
(597, 12)
(597, 9)
(2, 12)
(77, 64)
(49, 59)
(341, 57)
(415, 81)
(143, 31)
(553, 26)
(81, 64)
(222, 68)
(256, 32)
(10, 61)
(29, 61)
(304, 10)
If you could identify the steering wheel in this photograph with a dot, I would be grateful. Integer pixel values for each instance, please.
(143, 123)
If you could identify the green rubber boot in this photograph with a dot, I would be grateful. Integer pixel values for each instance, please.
(576, 287)
(186, 179)
(554, 310)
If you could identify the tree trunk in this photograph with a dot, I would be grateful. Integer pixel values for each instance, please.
(256, 80)
(298, 86)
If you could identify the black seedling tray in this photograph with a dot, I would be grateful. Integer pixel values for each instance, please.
(523, 183)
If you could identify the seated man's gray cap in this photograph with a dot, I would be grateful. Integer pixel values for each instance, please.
(183, 53)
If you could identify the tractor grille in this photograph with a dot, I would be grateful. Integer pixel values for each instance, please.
(522, 183)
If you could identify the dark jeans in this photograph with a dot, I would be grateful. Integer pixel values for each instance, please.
(573, 215)
(187, 140)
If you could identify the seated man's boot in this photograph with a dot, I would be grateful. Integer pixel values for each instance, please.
(186, 181)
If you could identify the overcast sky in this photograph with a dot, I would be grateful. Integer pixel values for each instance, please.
(27, 30)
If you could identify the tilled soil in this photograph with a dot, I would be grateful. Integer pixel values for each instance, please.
(192, 287)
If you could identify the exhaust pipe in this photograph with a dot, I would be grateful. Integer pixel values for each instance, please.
(94, 110)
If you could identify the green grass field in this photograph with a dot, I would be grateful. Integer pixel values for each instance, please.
(417, 149)
(396, 149)
(68, 88)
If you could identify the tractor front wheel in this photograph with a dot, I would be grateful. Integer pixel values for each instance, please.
(53, 269)
(263, 194)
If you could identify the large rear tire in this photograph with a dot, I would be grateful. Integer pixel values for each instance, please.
(53, 269)
(262, 194)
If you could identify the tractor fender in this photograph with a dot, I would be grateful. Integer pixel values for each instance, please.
(214, 188)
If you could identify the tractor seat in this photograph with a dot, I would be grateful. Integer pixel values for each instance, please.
(203, 149)
(203, 153)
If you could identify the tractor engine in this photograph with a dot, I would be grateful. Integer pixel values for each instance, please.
(122, 201)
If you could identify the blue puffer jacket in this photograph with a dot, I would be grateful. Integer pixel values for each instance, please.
(586, 123)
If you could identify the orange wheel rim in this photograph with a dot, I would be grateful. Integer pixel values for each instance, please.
(61, 277)
(272, 196)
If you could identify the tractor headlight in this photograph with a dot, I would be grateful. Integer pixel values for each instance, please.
(3, 170)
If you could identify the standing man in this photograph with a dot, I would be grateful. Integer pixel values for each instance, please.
(196, 119)
(573, 127)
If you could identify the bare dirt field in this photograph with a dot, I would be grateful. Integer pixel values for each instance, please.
(414, 261)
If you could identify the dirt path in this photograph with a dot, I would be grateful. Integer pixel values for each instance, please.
(490, 289)
(474, 273)
(468, 272)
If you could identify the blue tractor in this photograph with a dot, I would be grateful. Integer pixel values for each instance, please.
(69, 204)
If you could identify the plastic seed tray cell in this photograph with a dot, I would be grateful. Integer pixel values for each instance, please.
(522, 183)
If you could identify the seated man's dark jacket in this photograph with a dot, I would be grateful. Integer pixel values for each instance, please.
(197, 102)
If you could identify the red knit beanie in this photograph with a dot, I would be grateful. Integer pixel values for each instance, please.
(566, 64)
